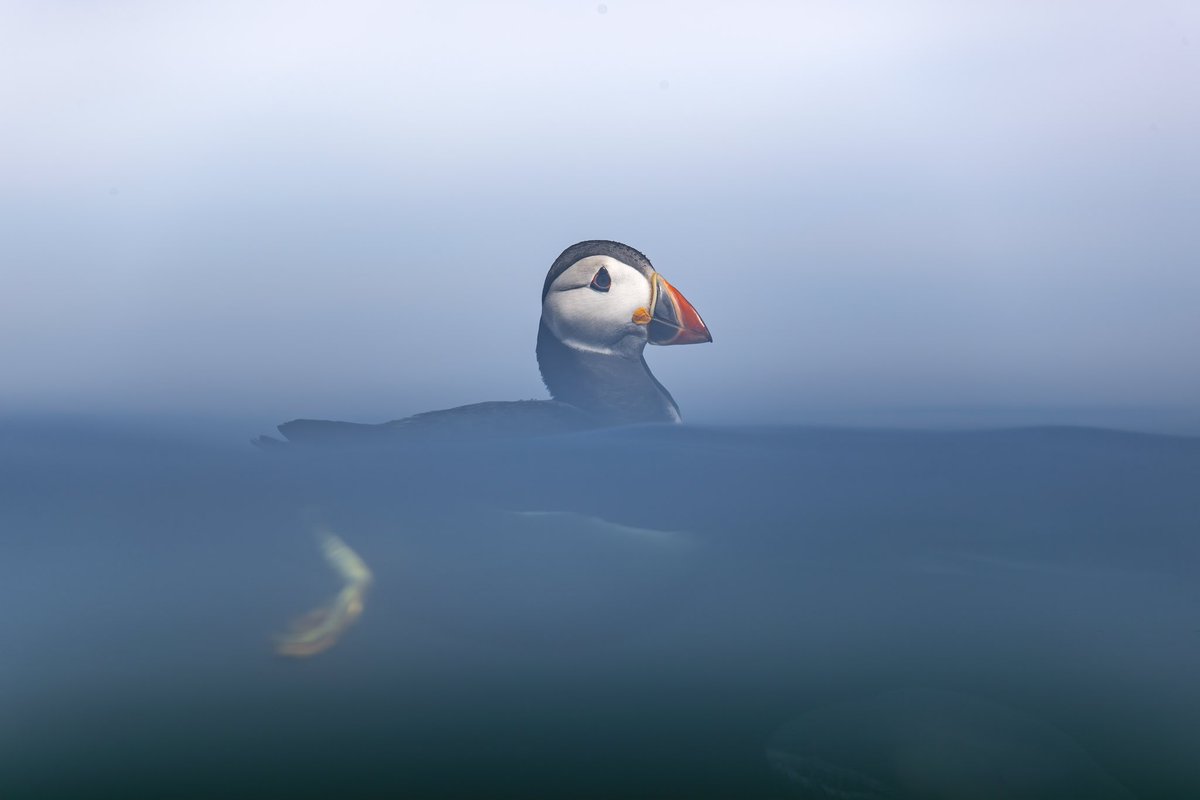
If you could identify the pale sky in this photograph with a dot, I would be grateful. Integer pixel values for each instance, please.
(347, 209)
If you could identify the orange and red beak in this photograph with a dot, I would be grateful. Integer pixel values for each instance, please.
(673, 320)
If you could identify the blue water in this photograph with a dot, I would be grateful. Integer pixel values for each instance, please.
(641, 612)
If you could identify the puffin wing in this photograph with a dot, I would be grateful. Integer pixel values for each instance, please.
(320, 432)
(490, 420)
(496, 420)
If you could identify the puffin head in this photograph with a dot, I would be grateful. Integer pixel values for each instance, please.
(605, 297)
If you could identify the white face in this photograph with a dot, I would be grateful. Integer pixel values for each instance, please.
(584, 317)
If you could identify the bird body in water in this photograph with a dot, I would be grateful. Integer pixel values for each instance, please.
(602, 303)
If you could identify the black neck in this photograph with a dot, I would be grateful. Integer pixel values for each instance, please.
(616, 389)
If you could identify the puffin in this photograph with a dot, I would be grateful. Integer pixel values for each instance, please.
(602, 303)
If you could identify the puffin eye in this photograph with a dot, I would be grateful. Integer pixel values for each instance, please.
(601, 280)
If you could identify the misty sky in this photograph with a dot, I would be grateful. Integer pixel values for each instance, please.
(347, 209)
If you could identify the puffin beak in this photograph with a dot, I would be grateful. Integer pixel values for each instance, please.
(673, 320)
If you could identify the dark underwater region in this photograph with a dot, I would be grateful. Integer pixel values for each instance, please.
(637, 612)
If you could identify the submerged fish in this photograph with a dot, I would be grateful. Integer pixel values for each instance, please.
(320, 629)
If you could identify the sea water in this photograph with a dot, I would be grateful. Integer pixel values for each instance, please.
(639, 612)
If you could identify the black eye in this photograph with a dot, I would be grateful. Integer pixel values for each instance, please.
(601, 281)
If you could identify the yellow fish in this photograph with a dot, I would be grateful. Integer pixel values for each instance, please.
(320, 629)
